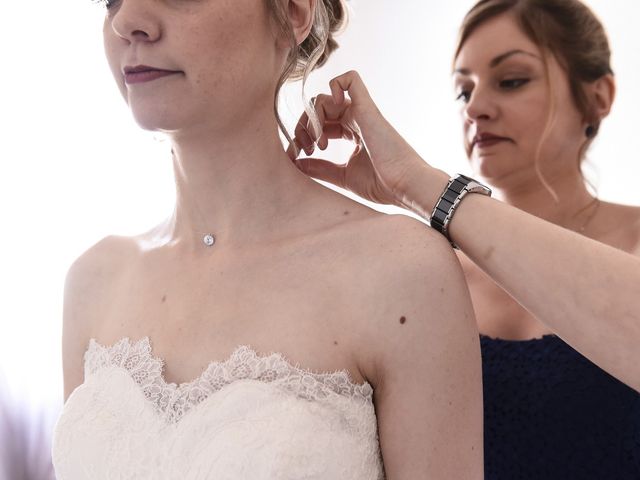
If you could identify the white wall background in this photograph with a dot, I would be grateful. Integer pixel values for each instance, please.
(75, 167)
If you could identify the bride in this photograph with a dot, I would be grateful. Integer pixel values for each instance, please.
(269, 328)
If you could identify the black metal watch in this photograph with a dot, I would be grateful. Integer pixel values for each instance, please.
(456, 190)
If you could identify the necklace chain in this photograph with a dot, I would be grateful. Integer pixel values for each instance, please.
(591, 216)
(207, 237)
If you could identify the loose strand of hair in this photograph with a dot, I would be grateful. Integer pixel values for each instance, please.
(320, 34)
(551, 118)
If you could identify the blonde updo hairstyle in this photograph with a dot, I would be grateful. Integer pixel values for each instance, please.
(330, 18)
(566, 29)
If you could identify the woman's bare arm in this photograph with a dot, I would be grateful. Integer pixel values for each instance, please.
(585, 291)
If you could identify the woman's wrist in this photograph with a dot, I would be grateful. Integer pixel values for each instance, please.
(423, 190)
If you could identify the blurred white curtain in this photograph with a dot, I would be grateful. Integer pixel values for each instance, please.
(25, 436)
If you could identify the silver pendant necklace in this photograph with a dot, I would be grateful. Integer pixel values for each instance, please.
(207, 237)
(209, 240)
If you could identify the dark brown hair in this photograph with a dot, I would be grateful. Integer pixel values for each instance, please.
(330, 18)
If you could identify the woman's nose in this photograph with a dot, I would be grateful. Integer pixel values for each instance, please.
(134, 20)
(480, 106)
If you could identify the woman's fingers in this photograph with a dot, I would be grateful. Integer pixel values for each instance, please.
(337, 130)
(352, 83)
(293, 150)
(323, 170)
(331, 114)
(305, 134)
(326, 111)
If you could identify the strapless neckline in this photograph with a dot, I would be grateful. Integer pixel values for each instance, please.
(173, 400)
(241, 351)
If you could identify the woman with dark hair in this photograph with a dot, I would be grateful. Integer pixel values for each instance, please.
(364, 355)
(553, 271)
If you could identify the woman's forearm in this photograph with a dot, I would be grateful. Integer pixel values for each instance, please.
(587, 292)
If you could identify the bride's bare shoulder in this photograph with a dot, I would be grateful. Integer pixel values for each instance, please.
(86, 294)
(93, 275)
(102, 259)
(397, 238)
(406, 280)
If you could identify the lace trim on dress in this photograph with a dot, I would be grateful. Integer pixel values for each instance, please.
(173, 400)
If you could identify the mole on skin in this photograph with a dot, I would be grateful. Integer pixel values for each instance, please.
(164, 298)
(403, 320)
(346, 212)
(335, 342)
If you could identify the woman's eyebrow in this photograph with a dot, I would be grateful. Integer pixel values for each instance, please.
(499, 59)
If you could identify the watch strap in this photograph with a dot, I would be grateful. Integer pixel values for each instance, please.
(457, 188)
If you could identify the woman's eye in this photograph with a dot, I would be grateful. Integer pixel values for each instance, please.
(464, 96)
(513, 83)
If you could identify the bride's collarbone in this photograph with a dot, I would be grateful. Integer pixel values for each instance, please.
(302, 303)
(186, 354)
(189, 338)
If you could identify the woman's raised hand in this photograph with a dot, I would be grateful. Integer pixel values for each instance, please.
(382, 163)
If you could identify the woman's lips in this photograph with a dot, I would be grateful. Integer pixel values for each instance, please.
(488, 142)
(146, 76)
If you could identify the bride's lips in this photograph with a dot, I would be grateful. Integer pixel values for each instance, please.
(143, 73)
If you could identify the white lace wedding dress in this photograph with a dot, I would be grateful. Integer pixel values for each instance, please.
(249, 417)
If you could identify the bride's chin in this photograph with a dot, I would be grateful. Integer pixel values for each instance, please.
(156, 121)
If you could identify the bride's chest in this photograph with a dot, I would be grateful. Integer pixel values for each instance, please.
(198, 315)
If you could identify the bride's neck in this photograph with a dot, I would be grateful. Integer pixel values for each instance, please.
(234, 181)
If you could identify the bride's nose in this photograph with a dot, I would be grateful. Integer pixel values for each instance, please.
(135, 20)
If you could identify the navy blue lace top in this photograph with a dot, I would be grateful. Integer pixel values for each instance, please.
(549, 413)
